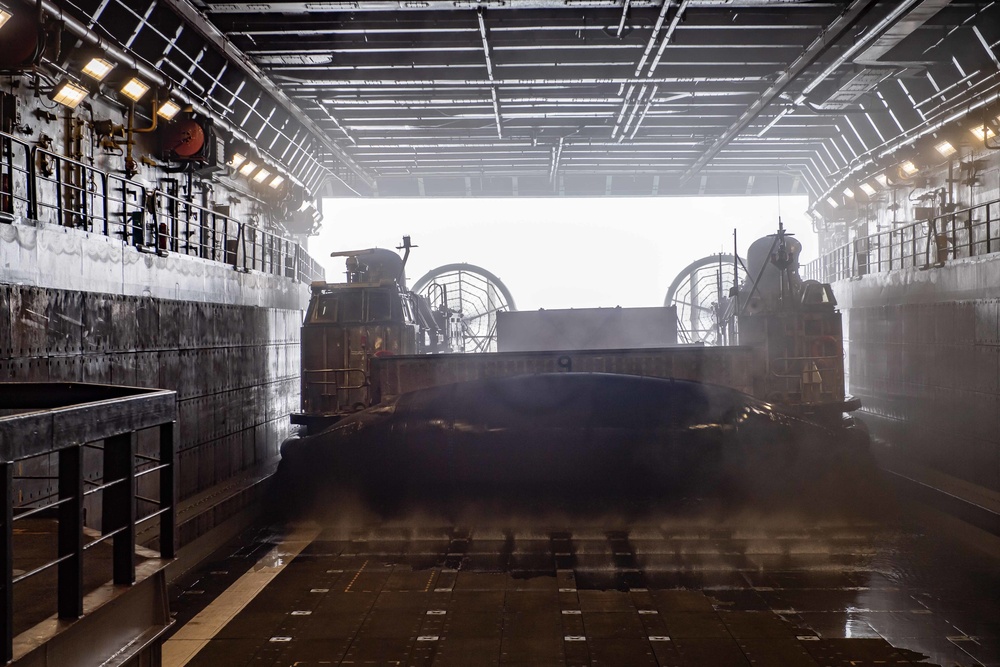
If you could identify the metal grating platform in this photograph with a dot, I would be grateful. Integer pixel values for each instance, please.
(663, 593)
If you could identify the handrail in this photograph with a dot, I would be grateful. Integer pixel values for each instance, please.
(9, 198)
(80, 195)
(63, 408)
(969, 232)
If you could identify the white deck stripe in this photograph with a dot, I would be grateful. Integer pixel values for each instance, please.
(196, 633)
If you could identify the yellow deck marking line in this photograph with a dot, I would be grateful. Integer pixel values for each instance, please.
(348, 589)
(429, 580)
(196, 633)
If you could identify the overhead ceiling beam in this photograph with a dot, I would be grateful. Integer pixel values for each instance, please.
(817, 48)
(197, 21)
(334, 6)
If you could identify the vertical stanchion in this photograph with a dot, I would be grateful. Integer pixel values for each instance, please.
(7, 559)
(168, 490)
(119, 504)
(70, 581)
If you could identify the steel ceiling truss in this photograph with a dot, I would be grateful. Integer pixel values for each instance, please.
(173, 42)
(577, 97)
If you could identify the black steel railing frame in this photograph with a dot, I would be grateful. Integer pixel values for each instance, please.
(15, 158)
(66, 420)
(152, 221)
(968, 232)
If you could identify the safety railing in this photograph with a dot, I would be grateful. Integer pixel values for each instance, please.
(15, 178)
(39, 184)
(52, 425)
(968, 232)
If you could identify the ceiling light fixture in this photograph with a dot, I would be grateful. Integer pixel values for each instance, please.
(909, 168)
(68, 93)
(248, 167)
(168, 110)
(868, 189)
(882, 180)
(277, 181)
(945, 148)
(236, 160)
(98, 68)
(849, 193)
(982, 132)
(5, 15)
(832, 202)
(262, 175)
(134, 89)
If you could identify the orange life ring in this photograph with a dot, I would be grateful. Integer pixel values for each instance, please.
(823, 345)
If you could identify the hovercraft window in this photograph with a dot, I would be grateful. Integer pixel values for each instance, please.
(378, 307)
(326, 309)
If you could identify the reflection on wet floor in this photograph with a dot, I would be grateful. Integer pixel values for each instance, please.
(745, 592)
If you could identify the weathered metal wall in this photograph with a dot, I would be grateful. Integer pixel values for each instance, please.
(923, 353)
(235, 369)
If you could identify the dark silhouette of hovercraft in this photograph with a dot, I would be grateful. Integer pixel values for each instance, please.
(583, 438)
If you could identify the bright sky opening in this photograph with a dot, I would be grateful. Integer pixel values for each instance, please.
(561, 252)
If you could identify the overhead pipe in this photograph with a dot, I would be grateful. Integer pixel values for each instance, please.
(678, 15)
(818, 47)
(642, 62)
(489, 70)
(868, 37)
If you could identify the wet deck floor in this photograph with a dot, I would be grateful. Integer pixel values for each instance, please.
(751, 591)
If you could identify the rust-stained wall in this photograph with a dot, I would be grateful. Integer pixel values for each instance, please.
(924, 356)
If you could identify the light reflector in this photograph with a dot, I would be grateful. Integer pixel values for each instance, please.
(134, 89)
(168, 110)
(945, 149)
(68, 93)
(98, 68)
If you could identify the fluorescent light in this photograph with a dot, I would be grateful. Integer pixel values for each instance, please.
(168, 110)
(945, 149)
(4, 16)
(909, 168)
(982, 133)
(832, 202)
(248, 167)
(277, 181)
(849, 193)
(261, 175)
(134, 89)
(868, 190)
(237, 160)
(68, 93)
(882, 180)
(98, 68)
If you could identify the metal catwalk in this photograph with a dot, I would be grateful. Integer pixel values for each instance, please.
(745, 589)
